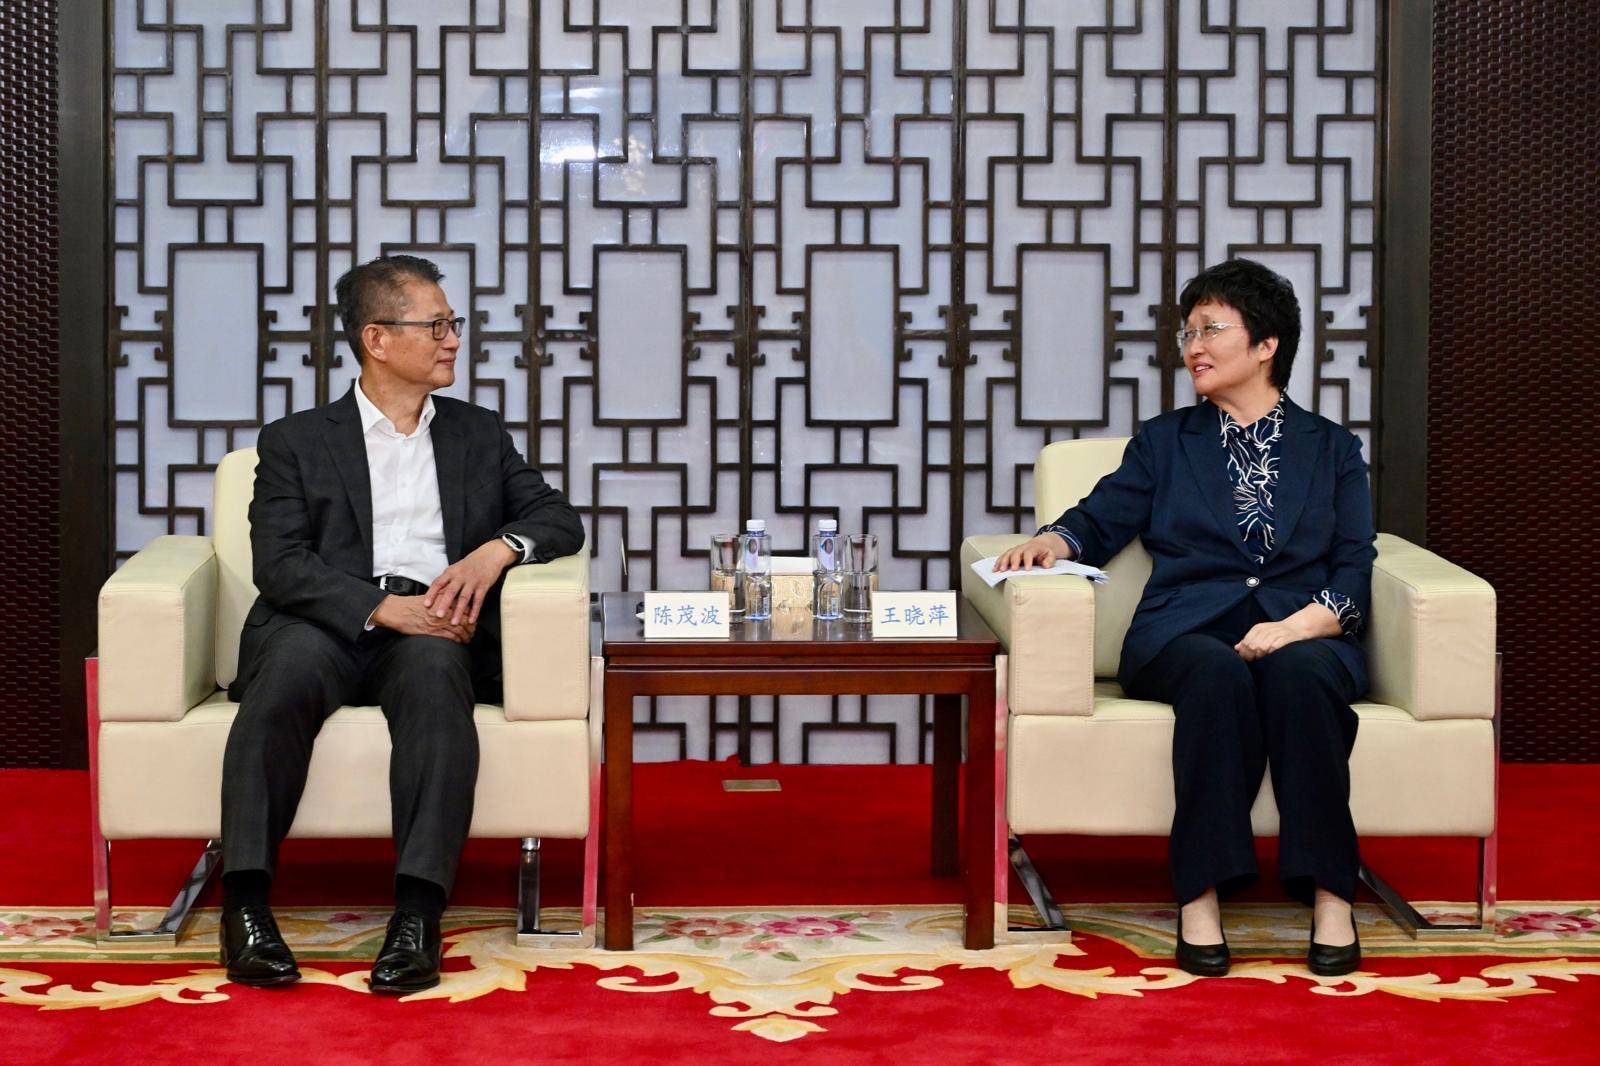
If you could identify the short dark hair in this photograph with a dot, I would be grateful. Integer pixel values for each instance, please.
(376, 290)
(1263, 299)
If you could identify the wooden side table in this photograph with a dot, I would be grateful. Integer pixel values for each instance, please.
(802, 657)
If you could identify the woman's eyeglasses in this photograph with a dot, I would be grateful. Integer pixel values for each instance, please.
(1209, 331)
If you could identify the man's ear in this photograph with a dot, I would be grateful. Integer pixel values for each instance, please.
(375, 340)
(1264, 351)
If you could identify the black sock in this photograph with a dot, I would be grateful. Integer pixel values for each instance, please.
(418, 894)
(243, 887)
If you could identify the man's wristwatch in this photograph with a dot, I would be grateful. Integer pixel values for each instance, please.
(515, 543)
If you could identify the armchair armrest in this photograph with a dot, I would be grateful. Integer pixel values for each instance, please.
(544, 623)
(1047, 627)
(1430, 640)
(991, 603)
(158, 617)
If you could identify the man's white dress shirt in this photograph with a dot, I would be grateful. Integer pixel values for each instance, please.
(407, 520)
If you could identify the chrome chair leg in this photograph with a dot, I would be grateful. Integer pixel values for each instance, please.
(1419, 927)
(1038, 891)
(528, 887)
(174, 923)
(529, 933)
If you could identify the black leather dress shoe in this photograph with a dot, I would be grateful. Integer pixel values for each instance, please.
(409, 961)
(253, 949)
(1202, 960)
(1325, 961)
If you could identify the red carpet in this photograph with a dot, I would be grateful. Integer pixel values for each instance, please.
(835, 836)
(976, 1017)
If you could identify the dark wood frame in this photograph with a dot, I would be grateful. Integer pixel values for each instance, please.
(1400, 405)
(838, 660)
(84, 404)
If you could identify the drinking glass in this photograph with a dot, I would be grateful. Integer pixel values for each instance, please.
(860, 574)
(727, 571)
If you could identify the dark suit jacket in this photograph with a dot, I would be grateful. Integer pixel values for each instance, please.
(311, 517)
(1173, 492)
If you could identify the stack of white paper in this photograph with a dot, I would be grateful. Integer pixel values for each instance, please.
(984, 568)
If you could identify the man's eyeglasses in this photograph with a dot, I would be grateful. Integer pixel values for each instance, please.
(1209, 331)
(439, 326)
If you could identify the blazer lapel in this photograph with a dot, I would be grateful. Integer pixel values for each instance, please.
(450, 464)
(1209, 465)
(1298, 451)
(343, 435)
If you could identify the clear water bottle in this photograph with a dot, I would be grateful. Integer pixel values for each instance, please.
(757, 556)
(827, 574)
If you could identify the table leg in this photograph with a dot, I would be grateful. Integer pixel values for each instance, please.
(979, 831)
(946, 785)
(619, 815)
(743, 730)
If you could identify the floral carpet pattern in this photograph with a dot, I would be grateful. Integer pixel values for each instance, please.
(780, 974)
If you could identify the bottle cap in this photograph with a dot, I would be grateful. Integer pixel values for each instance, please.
(827, 525)
(755, 525)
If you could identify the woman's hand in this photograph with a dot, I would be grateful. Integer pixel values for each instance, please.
(1309, 622)
(1265, 638)
(1042, 550)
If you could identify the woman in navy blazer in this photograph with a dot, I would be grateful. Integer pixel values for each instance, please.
(1258, 521)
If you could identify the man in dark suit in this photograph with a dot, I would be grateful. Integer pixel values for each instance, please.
(381, 526)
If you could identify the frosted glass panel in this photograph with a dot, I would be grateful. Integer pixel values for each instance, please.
(640, 297)
(1063, 334)
(852, 336)
(215, 294)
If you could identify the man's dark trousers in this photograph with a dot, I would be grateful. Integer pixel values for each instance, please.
(301, 675)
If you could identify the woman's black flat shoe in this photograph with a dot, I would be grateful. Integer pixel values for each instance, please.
(1202, 960)
(1325, 961)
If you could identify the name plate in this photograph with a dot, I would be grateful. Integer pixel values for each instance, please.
(686, 615)
(913, 614)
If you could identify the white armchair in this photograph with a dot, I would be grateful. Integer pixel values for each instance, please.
(159, 717)
(1084, 758)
